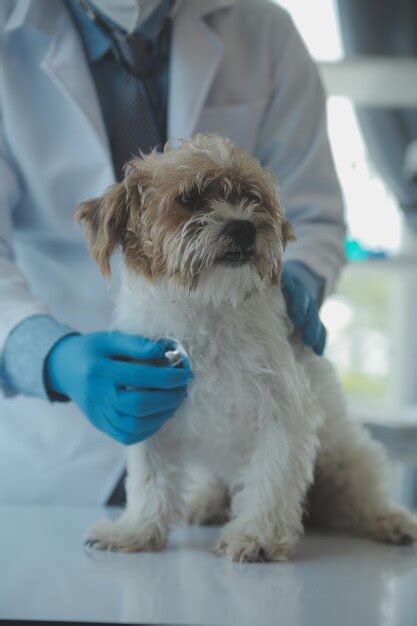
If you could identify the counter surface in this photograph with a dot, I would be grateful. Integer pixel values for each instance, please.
(47, 574)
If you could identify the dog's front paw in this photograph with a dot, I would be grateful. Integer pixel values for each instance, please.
(247, 547)
(125, 536)
(397, 526)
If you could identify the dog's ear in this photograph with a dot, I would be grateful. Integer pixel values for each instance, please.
(287, 232)
(106, 219)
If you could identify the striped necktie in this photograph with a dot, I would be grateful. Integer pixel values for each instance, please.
(136, 53)
(130, 77)
(140, 126)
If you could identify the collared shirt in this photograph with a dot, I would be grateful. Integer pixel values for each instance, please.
(127, 14)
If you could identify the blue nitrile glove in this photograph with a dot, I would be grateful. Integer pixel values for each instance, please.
(126, 399)
(302, 305)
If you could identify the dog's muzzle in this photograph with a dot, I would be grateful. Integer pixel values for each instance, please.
(243, 235)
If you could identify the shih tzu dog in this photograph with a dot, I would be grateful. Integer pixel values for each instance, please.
(262, 441)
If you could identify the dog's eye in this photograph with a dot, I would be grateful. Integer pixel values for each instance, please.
(253, 198)
(191, 199)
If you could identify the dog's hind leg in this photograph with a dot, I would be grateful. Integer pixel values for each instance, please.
(207, 499)
(350, 491)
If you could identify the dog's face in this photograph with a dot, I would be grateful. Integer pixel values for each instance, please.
(205, 215)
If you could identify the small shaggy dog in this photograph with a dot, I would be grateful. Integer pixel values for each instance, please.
(263, 436)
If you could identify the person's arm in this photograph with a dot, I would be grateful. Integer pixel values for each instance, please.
(128, 401)
(294, 145)
(24, 354)
(17, 302)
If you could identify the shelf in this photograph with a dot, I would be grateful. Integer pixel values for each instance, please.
(373, 81)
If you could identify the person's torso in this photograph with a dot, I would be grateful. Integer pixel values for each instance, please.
(221, 80)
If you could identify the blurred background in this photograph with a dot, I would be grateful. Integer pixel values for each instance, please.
(371, 81)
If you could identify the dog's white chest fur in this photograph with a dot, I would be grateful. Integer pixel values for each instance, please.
(239, 358)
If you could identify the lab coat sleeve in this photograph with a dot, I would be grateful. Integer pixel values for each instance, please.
(17, 302)
(294, 145)
(25, 351)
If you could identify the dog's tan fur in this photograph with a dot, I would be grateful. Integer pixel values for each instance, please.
(144, 213)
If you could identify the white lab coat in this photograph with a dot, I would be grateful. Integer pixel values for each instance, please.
(241, 70)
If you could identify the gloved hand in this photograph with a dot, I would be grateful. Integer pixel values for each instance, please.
(129, 401)
(302, 306)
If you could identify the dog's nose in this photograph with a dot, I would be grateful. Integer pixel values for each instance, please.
(242, 232)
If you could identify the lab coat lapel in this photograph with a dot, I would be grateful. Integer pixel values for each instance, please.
(67, 67)
(196, 54)
(65, 64)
